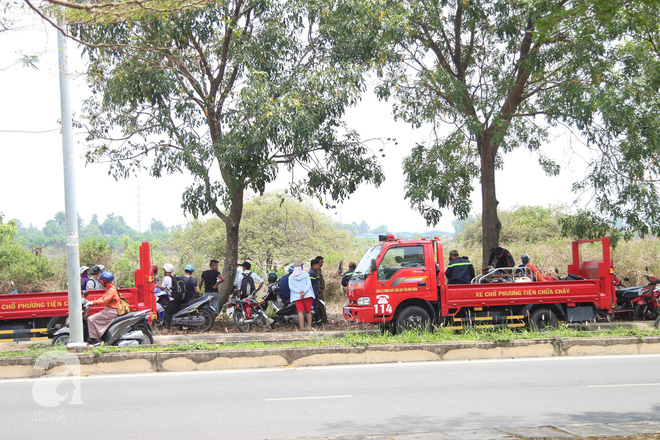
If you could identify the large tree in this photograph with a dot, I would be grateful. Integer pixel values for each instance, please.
(489, 76)
(623, 136)
(229, 92)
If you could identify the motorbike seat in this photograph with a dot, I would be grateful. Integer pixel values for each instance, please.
(124, 317)
(627, 294)
(240, 302)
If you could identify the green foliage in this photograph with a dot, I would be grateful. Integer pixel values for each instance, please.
(95, 251)
(276, 230)
(25, 268)
(623, 102)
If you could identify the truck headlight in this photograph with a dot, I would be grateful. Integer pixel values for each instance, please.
(364, 301)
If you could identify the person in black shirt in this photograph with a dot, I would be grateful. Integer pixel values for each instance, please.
(211, 278)
(459, 270)
(502, 257)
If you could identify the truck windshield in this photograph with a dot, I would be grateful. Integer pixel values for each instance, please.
(364, 266)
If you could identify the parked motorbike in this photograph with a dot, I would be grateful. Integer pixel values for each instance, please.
(197, 316)
(249, 311)
(284, 312)
(125, 330)
(646, 304)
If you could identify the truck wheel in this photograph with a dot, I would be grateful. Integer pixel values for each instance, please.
(386, 327)
(62, 339)
(543, 319)
(412, 317)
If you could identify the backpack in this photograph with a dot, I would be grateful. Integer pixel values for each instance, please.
(178, 291)
(247, 285)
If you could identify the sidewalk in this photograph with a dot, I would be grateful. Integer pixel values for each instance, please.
(647, 429)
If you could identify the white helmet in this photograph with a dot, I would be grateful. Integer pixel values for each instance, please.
(83, 269)
(102, 267)
(167, 267)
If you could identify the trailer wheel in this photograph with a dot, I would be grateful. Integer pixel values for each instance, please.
(62, 339)
(543, 319)
(412, 317)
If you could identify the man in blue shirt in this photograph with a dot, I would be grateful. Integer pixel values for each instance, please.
(285, 291)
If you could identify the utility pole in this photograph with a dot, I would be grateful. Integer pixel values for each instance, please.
(76, 341)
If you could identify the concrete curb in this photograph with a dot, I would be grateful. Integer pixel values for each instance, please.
(172, 361)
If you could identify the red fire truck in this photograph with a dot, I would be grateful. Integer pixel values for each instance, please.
(31, 316)
(401, 284)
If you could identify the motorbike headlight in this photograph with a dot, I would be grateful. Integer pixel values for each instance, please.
(364, 301)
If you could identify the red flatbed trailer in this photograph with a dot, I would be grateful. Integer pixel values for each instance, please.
(24, 315)
(401, 284)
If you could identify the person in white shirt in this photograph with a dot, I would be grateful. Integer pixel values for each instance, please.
(255, 279)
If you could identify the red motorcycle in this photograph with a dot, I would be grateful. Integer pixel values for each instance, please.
(248, 311)
(645, 306)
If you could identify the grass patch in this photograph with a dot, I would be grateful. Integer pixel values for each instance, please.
(365, 339)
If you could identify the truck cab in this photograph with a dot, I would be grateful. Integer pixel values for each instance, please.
(394, 275)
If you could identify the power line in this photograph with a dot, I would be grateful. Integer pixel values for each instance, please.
(30, 131)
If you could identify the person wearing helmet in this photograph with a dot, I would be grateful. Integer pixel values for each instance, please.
(98, 323)
(192, 287)
(535, 272)
(84, 276)
(166, 284)
(93, 282)
(211, 278)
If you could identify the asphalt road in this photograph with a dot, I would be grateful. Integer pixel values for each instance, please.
(350, 400)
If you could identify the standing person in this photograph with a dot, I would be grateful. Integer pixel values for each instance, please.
(320, 276)
(345, 278)
(212, 278)
(459, 270)
(285, 291)
(314, 277)
(247, 281)
(93, 282)
(302, 294)
(97, 324)
(239, 271)
(502, 256)
(536, 273)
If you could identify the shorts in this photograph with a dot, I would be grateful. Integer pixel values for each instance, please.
(304, 305)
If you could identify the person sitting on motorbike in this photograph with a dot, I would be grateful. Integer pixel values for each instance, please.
(192, 287)
(97, 324)
(535, 272)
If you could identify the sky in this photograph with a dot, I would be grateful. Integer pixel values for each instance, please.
(32, 176)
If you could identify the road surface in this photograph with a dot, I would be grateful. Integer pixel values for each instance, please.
(349, 400)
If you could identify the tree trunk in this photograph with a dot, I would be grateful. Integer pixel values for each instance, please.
(232, 224)
(490, 223)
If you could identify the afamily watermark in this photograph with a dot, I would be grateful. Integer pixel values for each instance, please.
(60, 416)
(61, 387)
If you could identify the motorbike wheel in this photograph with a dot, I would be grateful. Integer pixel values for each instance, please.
(61, 339)
(239, 321)
(147, 332)
(263, 319)
(644, 312)
(209, 320)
